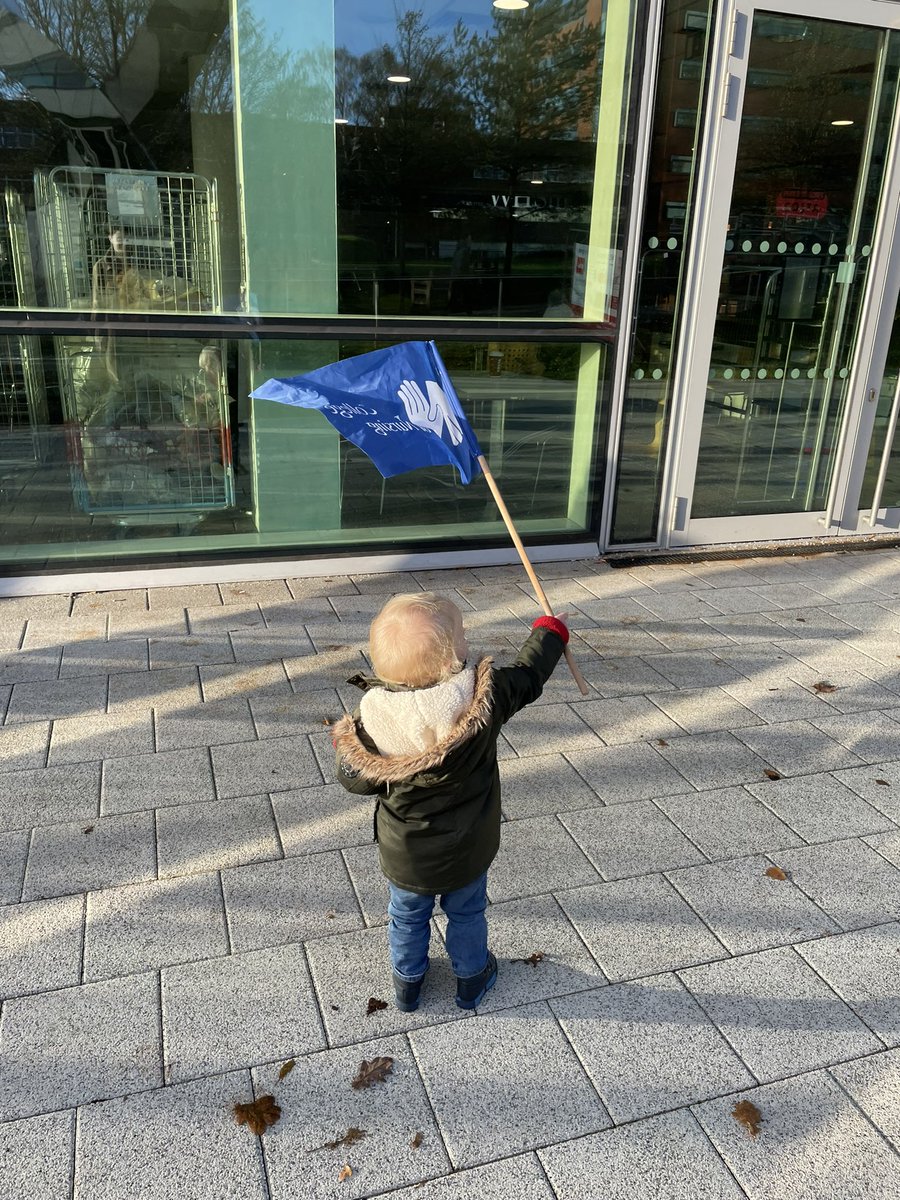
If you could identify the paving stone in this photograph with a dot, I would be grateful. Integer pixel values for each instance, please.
(48, 795)
(13, 852)
(532, 787)
(213, 619)
(291, 614)
(781, 701)
(276, 716)
(519, 1178)
(369, 883)
(62, 631)
(214, 723)
(182, 596)
(627, 719)
(618, 640)
(259, 591)
(272, 765)
(636, 927)
(176, 1141)
(625, 773)
(864, 969)
(349, 968)
(856, 693)
(57, 698)
(276, 903)
(189, 651)
(536, 855)
(887, 845)
(328, 668)
(156, 780)
(261, 680)
(820, 807)
(76, 1045)
(703, 710)
(335, 638)
(14, 608)
(731, 601)
(872, 736)
(177, 688)
(324, 817)
(40, 946)
(302, 587)
(667, 578)
(797, 748)
(693, 669)
(161, 623)
(678, 606)
(388, 584)
(814, 1144)
(24, 747)
(265, 645)
(874, 1083)
(102, 657)
(150, 925)
(222, 833)
(648, 1047)
(660, 1158)
(237, 1011)
(848, 879)
(319, 1106)
(30, 666)
(79, 857)
(549, 728)
(747, 909)
(727, 822)
(116, 600)
(101, 735)
(625, 677)
(628, 839)
(778, 1014)
(458, 1063)
(713, 760)
(36, 1156)
(884, 796)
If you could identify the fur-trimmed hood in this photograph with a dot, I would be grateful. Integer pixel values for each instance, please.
(383, 768)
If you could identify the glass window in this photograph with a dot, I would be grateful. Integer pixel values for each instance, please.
(131, 447)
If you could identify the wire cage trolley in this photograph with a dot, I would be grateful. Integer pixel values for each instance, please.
(147, 417)
(23, 391)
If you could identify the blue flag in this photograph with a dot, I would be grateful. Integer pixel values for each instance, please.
(397, 405)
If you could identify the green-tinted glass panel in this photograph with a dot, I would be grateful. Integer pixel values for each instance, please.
(884, 433)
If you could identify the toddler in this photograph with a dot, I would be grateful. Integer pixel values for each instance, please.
(424, 741)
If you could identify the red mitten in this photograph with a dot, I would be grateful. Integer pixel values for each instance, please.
(554, 625)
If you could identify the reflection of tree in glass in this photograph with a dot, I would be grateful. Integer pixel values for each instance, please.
(95, 34)
(532, 80)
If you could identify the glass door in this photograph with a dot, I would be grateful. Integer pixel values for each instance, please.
(798, 143)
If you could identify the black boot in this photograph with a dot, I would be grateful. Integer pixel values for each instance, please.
(406, 993)
(470, 992)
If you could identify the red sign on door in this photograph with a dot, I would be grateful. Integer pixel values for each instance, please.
(800, 204)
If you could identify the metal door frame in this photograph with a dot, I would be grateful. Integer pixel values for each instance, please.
(719, 142)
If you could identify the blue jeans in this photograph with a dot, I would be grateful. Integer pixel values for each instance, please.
(409, 929)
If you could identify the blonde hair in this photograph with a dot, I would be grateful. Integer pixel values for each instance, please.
(413, 640)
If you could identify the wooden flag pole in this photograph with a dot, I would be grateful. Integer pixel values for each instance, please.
(535, 582)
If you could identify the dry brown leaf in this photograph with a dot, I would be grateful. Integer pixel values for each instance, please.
(344, 1173)
(88, 829)
(802, 620)
(661, 742)
(883, 782)
(373, 1070)
(258, 1115)
(775, 873)
(328, 720)
(532, 959)
(375, 1005)
(770, 774)
(350, 1138)
(417, 1140)
(330, 914)
(335, 646)
(286, 1068)
(747, 1114)
(824, 686)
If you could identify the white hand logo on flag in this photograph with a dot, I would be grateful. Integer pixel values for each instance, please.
(431, 413)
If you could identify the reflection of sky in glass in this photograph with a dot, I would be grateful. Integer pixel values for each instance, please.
(280, 19)
(363, 25)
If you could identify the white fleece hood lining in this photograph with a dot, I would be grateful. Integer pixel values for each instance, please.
(412, 722)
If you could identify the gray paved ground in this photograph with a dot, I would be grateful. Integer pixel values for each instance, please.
(188, 901)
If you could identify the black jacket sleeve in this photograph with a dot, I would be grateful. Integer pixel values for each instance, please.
(523, 682)
(352, 780)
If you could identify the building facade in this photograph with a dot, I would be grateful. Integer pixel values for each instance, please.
(656, 241)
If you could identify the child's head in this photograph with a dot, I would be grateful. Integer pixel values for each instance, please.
(417, 640)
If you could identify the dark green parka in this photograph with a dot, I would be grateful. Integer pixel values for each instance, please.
(437, 817)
